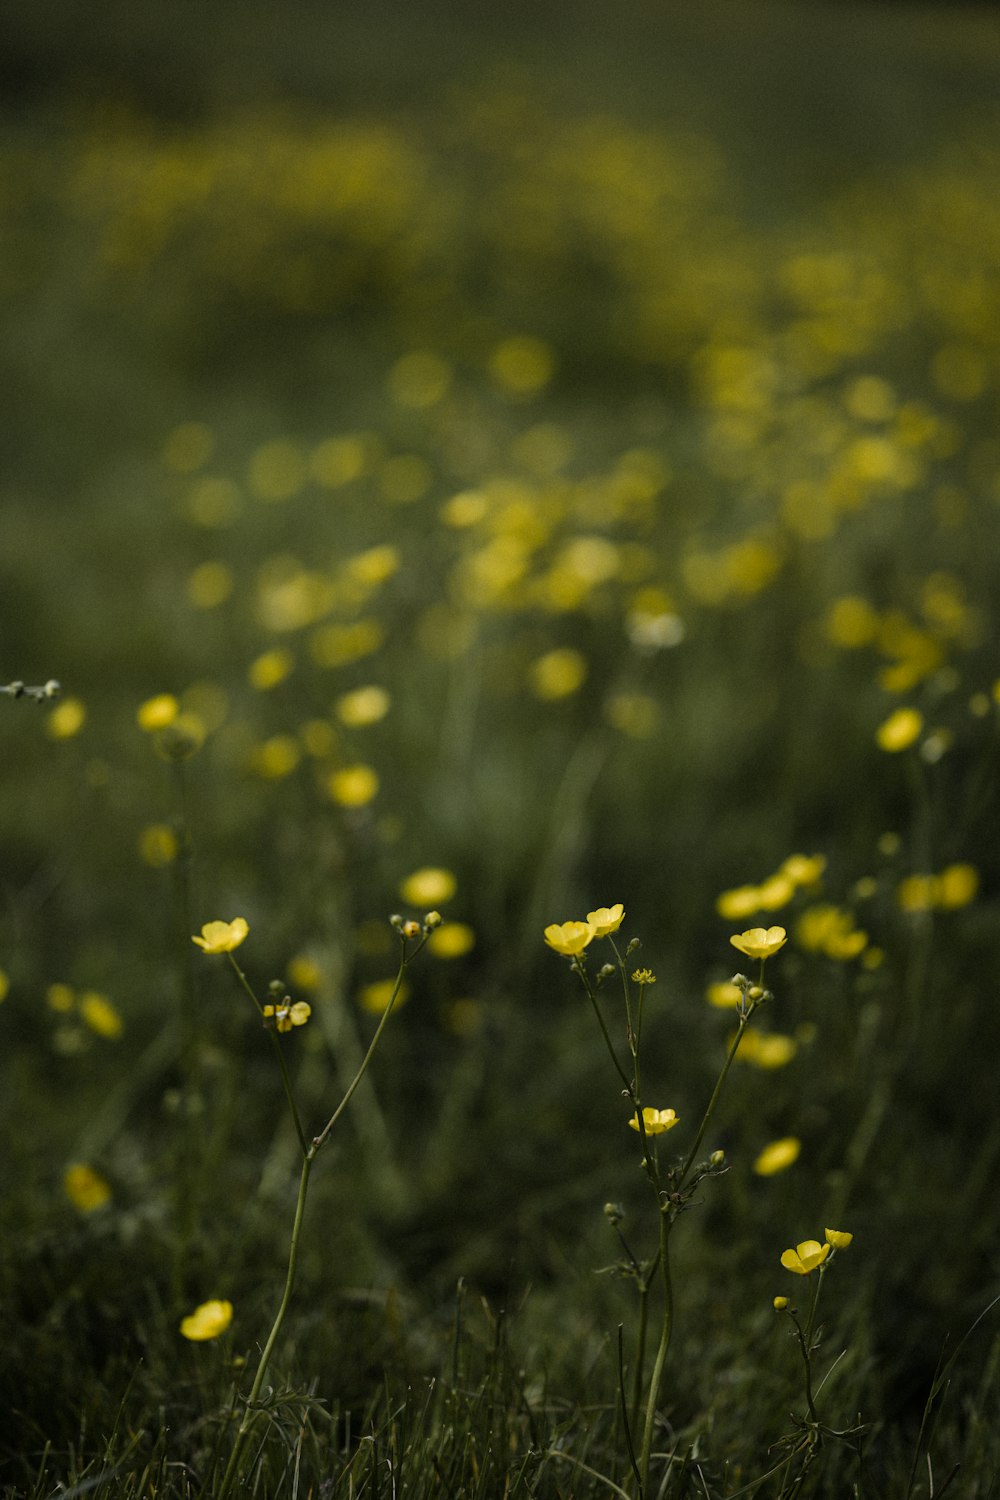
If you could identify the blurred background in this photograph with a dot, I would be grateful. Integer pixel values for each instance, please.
(542, 445)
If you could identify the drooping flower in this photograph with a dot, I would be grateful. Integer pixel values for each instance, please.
(760, 942)
(569, 938)
(207, 1321)
(805, 1257)
(286, 1016)
(838, 1238)
(655, 1121)
(222, 937)
(606, 919)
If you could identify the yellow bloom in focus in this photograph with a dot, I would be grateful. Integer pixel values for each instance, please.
(100, 1015)
(643, 976)
(805, 1257)
(558, 674)
(899, 730)
(780, 1303)
(353, 786)
(606, 919)
(451, 940)
(66, 719)
(838, 1238)
(286, 1016)
(222, 937)
(777, 1156)
(568, 938)
(427, 887)
(157, 713)
(207, 1321)
(724, 995)
(363, 706)
(760, 942)
(375, 997)
(85, 1188)
(158, 845)
(655, 1121)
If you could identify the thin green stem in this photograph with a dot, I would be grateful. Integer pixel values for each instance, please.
(604, 1030)
(666, 1329)
(276, 1045)
(733, 1049)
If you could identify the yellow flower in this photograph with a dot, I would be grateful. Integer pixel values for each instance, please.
(271, 668)
(375, 997)
(768, 1049)
(777, 1156)
(158, 712)
(222, 937)
(804, 869)
(100, 1015)
(286, 1016)
(60, 998)
(956, 886)
(66, 719)
(207, 1321)
(568, 938)
(838, 1238)
(4, 985)
(353, 786)
(304, 972)
(158, 845)
(805, 1257)
(655, 1121)
(760, 942)
(643, 976)
(899, 730)
(85, 1188)
(363, 706)
(452, 940)
(428, 887)
(740, 902)
(780, 1303)
(724, 995)
(558, 674)
(606, 919)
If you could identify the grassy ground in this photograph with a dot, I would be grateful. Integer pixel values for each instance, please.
(561, 455)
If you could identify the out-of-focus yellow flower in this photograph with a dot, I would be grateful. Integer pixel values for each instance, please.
(286, 1016)
(723, 995)
(353, 786)
(222, 937)
(838, 1238)
(805, 1257)
(100, 1015)
(66, 719)
(767, 1049)
(776, 891)
(207, 1321)
(375, 997)
(655, 1121)
(158, 845)
(428, 886)
(899, 730)
(558, 674)
(451, 940)
(956, 886)
(742, 901)
(778, 1156)
(4, 986)
(916, 893)
(270, 668)
(760, 942)
(60, 998)
(86, 1189)
(181, 738)
(276, 758)
(363, 706)
(304, 972)
(852, 622)
(210, 584)
(157, 713)
(606, 919)
(825, 928)
(804, 869)
(569, 938)
(522, 365)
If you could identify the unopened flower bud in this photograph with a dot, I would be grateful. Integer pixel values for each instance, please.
(410, 929)
(433, 919)
(755, 992)
(52, 689)
(614, 1213)
(396, 921)
(606, 971)
(275, 987)
(780, 1303)
(717, 1158)
(633, 945)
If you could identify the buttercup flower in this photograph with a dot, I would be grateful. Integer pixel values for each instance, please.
(222, 937)
(899, 730)
(777, 1156)
(569, 938)
(85, 1188)
(207, 1321)
(655, 1121)
(760, 942)
(780, 1303)
(838, 1238)
(286, 1016)
(606, 919)
(805, 1257)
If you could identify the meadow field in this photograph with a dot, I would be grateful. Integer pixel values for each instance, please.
(511, 503)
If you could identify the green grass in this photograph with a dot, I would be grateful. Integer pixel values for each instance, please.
(767, 374)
